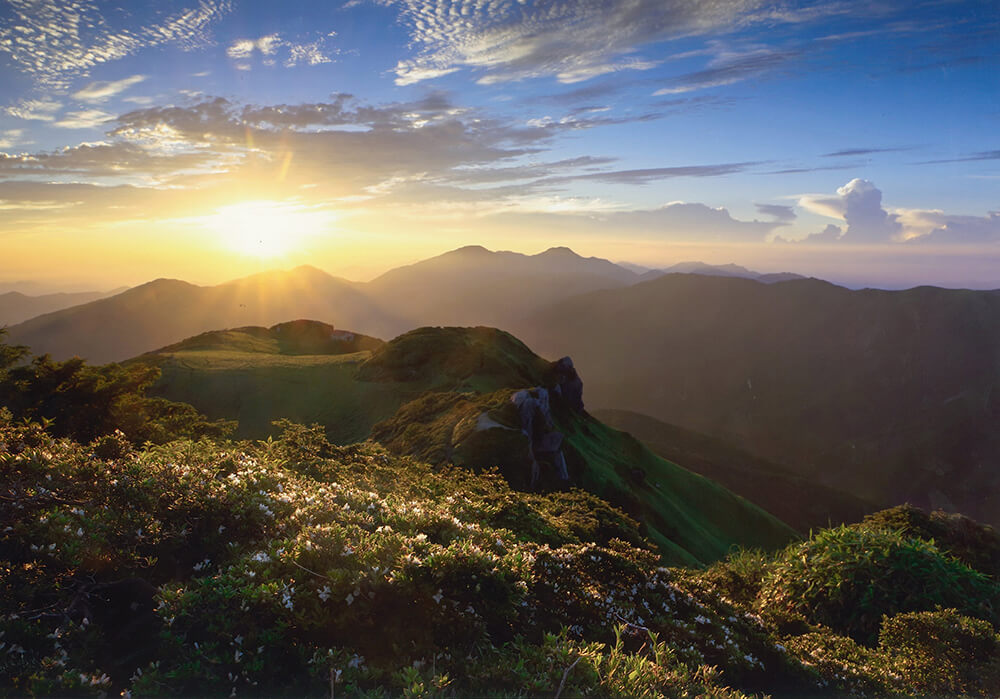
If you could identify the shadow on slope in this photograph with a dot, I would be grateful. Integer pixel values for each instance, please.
(794, 499)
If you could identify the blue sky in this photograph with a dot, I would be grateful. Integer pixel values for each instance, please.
(851, 140)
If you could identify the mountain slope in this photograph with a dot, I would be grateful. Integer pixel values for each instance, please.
(888, 395)
(795, 500)
(165, 311)
(16, 307)
(425, 394)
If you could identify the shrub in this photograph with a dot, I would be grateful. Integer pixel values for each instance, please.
(942, 652)
(848, 578)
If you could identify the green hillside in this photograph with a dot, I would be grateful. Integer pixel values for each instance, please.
(797, 501)
(440, 379)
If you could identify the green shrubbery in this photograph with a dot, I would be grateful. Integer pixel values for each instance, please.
(848, 578)
(86, 402)
(291, 567)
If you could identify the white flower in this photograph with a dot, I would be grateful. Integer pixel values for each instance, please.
(324, 593)
(349, 598)
(438, 597)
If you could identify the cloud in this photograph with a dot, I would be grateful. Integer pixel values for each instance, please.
(306, 54)
(311, 53)
(573, 40)
(37, 110)
(647, 175)
(676, 222)
(12, 137)
(53, 41)
(730, 67)
(244, 48)
(972, 157)
(830, 234)
(859, 204)
(937, 227)
(85, 119)
(861, 151)
(100, 91)
(785, 214)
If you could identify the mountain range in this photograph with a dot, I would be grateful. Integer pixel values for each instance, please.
(887, 395)
(16, 307)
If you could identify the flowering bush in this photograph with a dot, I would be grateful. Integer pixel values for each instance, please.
(294, 567)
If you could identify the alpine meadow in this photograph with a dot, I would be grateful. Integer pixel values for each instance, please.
(500, 348)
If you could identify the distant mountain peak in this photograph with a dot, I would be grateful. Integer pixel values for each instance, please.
(471, 250)
(561, 251)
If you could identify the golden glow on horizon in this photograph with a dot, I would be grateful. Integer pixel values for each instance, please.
(267, 229)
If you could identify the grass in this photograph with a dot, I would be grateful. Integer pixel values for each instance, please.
(422, 395)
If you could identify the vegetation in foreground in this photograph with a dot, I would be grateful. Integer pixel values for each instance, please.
(294, 567)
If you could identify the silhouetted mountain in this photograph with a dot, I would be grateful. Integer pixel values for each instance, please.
(16, 307)
(729, 270)
(474, 286)
(889, 395)
(166, 310)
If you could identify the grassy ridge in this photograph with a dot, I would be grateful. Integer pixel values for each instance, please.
(681, 509)
(689, 518)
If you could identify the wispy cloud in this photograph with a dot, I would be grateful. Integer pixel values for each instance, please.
(777, 212)
(100, 91)
(971, 157)
(730, 67)
(848, 152)
(54, 41)
(37, 110)
(84, 119)
(572, 40)
(12, 137)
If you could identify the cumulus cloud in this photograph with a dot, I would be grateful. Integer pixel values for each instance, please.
(54, 41)
(101, 91)
(573, 40)
(859, 204)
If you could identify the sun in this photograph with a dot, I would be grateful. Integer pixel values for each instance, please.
(266, 229)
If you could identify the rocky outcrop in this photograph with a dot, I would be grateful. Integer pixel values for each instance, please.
(535, 413)
(544, 441)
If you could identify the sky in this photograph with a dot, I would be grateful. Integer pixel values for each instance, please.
(852, 140)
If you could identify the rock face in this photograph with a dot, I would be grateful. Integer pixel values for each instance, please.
(568, 384)
(544, 441)
(535, 413)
